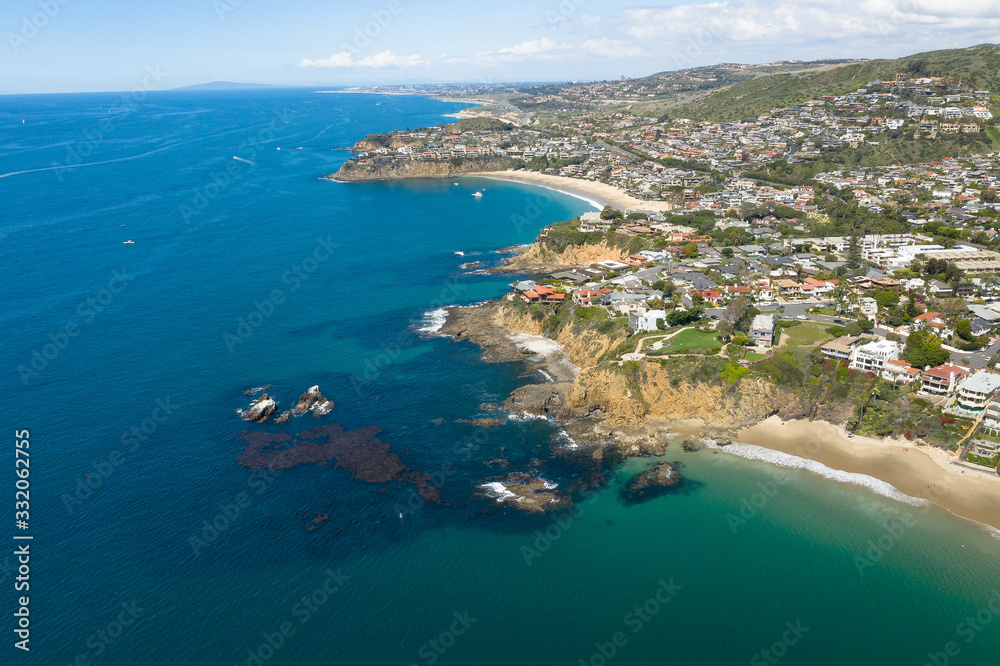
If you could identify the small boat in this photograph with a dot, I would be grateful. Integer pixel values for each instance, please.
(121, 225)
(478, 195)
(129, 242)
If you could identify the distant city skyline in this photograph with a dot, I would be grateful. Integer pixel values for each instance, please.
(69, 46)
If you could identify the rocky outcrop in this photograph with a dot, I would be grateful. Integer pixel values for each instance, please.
(410, 169)
(313, 400)
(526, 492)
(285, 415)
(485, 326)
(537, 258)
(652, 483)
(547, 399)
(625, 400)
(260, 409)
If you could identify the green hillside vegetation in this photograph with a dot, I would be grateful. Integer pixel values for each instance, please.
(975, 68)
(481, 125)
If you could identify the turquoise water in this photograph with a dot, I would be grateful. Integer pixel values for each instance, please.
(166, 335)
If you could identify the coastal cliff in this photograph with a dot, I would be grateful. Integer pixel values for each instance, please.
(540, 258)
(411, 169)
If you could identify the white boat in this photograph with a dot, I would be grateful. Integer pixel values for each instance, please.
(477, 194)
(129, 242)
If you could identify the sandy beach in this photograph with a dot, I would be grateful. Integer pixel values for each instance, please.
(918, 471)
(599, 193)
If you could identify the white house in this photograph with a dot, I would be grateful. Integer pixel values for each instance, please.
(762, 330)
(646, 321)
(872, 356)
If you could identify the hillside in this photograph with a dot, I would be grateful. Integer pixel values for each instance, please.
(975, 68)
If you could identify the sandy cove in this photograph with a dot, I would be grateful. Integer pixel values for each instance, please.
(918, 471)
(601, 193)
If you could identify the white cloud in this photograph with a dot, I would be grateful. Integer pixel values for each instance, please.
(378, 61)
(547, 49)
(533, 48)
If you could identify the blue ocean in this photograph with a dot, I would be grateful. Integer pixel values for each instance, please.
(152, 544)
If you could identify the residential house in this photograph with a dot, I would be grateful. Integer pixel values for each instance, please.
(762, 330)
(944, 379)
(977, 390)
(646, 321)
(899, 372)
(871, 357)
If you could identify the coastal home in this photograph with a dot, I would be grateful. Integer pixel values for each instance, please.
(647, 321)
(872, 356)
(944, 379)
(587, 297)
(841, 348)
(762, 330)
(542, 294)
(899, 372)
(977, 390)
(868, 308)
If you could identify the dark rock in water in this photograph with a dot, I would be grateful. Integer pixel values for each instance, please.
(488, 407)
(483, 423)
(255, 391)
(470, 265)
(691, 444)
(652, 483)
(313, 400)
(261, 409)
(529, 493)
(284, 416)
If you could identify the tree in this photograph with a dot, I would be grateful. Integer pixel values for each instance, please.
(865, 324)
(725, 329)
(852, 329)
(690, 250)
(924, 349)
(610, 213)
(727, 252)
(666, 286)
(886, 299)
(660, 325)
(682, 317)
(736, 310)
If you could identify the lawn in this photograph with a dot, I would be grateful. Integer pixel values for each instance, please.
(753, 357)
(806, 334)
(693, 341)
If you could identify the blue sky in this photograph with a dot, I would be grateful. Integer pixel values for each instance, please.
(85, 45)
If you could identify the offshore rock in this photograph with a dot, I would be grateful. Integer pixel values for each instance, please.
(261, 409)
(652, 483)
(313, 400)
(526, 492)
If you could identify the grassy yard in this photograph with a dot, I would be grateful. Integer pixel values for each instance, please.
(806, 335)
(753, 357)
(693, 341)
